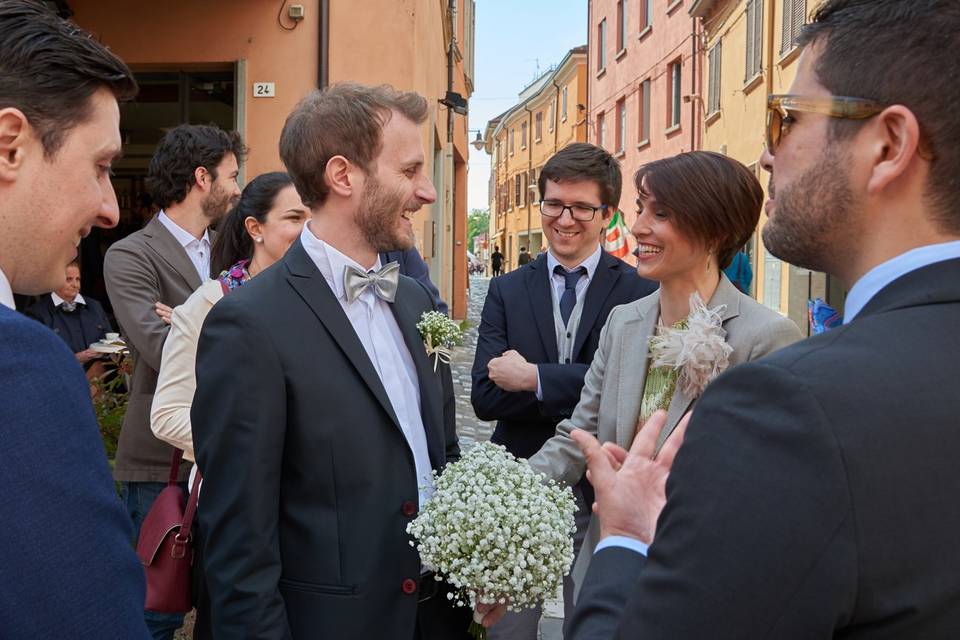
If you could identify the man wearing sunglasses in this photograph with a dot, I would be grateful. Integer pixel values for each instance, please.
(816, 492)
(541, 323)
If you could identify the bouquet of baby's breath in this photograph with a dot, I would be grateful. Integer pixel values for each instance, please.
(440, 335)
(497, 531)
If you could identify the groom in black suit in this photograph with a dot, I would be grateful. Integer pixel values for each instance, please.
(318, 415)
(816, 493)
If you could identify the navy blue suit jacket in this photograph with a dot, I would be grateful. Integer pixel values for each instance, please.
(67, 556)
(518, 314)
(413, 266)
(89, 319)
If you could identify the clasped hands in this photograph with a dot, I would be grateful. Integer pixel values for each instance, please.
(512, 372)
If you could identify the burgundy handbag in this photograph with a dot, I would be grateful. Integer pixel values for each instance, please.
(165, 547)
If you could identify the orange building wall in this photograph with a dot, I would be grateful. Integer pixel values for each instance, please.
(218, 31)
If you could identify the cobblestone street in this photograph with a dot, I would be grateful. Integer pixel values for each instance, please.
(471, 429)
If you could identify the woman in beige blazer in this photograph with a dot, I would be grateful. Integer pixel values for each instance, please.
(255, 234)
(695, 211)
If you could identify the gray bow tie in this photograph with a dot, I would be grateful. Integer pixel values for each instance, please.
(384, 282)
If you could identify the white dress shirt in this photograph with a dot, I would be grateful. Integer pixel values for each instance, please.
(57, 300)
(373, 321)
(560, 284)
(6, 293)
(197, 250)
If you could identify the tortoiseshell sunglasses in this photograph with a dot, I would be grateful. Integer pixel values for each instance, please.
(780, 106)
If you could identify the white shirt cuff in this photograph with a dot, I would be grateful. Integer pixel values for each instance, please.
(539, 388)
(623, 542)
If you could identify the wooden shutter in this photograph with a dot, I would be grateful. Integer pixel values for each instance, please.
(751, 41)
(799, 19)
(757, 37)
(787, 31)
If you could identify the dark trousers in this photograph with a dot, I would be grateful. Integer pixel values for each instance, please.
(138, 497)
(439, 619)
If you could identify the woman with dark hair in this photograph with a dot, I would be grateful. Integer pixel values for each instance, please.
(255, 234)
(695, 210)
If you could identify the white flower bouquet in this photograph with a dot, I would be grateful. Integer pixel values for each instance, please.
(496, 531)
(440, 335)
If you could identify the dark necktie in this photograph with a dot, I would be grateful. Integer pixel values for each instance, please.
(569, 298)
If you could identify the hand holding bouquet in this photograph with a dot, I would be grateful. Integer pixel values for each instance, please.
(496, 531)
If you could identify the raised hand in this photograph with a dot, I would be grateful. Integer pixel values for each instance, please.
(631, 486)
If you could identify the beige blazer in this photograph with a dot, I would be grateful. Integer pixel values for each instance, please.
(609, 405)
(170, 413)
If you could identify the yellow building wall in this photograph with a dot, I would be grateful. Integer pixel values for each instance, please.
(514, 226)
(738, 130)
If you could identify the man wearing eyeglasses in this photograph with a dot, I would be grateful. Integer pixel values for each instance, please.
(816, 492)
(541, 323)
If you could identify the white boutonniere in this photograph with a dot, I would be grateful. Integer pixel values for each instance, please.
(440, 335)
(699, 351)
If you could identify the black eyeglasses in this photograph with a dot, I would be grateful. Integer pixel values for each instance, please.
(580, 212)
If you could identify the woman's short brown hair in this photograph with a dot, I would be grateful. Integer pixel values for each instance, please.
(712, 199)
(345, 119)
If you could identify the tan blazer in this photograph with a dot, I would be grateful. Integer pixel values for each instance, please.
(609, 404)
(170, 415)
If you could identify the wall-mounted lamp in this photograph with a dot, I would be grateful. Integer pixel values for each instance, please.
(478, 143)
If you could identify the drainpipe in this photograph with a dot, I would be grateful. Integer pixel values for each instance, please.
(526, 196)
(452, 7)
(556, 113)
(323, 63)
(693, 86)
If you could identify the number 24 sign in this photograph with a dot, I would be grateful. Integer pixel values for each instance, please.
(264, 90)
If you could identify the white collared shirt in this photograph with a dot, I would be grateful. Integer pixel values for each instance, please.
(883, 274)
(6, 293)
(560, 284)
(373, 321)
(197, 250)
(57, 300)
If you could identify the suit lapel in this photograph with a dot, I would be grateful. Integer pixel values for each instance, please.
(602, 283)
(431, 403)
(727, 296)
(171, 251)
(313, 289)
(541, 303)
(633, 373)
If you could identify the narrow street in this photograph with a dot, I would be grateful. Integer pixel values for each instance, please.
(471, 429)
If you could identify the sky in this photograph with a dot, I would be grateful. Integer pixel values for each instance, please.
(513, 39)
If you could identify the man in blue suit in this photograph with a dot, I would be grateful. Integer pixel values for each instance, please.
(66, 555)
(541, 323)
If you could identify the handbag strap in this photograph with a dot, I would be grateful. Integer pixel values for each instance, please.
(175, 465)
(184, 534)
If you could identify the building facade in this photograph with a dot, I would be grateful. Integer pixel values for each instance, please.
(242, 65)
(644, 79)
(550, 114)
(749, 51)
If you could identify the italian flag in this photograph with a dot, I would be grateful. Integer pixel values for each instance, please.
(615, 240)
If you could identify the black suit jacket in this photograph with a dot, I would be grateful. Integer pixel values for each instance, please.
(518, 314)
(816, 493)
(309, 483)
(89, 318)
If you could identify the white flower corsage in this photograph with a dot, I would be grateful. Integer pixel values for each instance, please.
(440, 334)
(699, 351)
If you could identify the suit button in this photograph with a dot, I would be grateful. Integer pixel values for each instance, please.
(409, 586)
(568, 361)
(409, 509)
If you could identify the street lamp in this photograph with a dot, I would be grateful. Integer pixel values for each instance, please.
(478, 142)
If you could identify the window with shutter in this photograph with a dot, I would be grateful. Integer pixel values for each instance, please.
(713, 100)
(794, 17)
(645, 111)
(754, 58)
